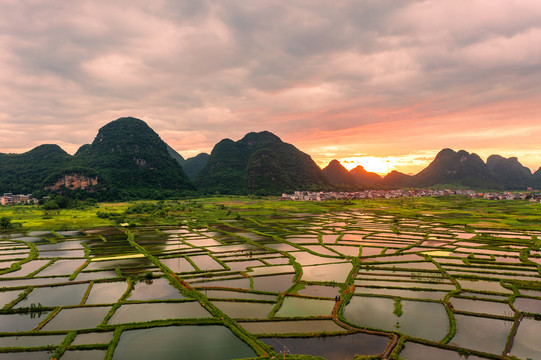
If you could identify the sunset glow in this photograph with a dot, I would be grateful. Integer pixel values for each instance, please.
(378, 165)
(383, 84)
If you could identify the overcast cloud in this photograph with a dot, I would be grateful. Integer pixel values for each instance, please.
(335, 78)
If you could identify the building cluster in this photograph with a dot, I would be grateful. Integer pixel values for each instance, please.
(10, 199)
(372, 194)
(508, 195)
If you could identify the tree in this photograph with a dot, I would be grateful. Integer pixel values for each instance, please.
(5, 222)
(51, 205)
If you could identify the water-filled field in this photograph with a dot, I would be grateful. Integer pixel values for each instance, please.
(334, 285)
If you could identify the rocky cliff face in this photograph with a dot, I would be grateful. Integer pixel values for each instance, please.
(74, 182)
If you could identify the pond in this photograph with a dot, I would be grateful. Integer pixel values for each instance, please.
(405, 284)
(240, 283)
(482, 307)
(77, 318)
(55, 296)
(282, 247)
(301, 307)
(483, 285)
(61, 267)
(224, 294)
(403, 293)
(346, 250)
(128, 313)
(30, 341)
(21, 322)
(273, 283)
(93, 338)
(33, 281)
(8, 296)
(106, 293)
(135, 261)
(191, 341)
(96, 275)
(178, 264)
(277, 260)
(527, 344)
(329, 239)
(27, 268)
(320, 250)
(528, 305)
(156, 289)
(292, 327)
(327, 272)
(203, 242)
(271, 270)
(243, 265)
(482, 334)
(337, 347)
(244, 310)
(34, 355)
(206, 262)
(414, 351)
(84, 355)
(427, 320)
(62, 254)
(305, 258)
(319, 291)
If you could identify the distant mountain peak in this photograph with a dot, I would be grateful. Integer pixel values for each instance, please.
(258, 163)
(259, 138)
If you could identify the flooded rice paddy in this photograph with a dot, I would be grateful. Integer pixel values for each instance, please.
(337, 286)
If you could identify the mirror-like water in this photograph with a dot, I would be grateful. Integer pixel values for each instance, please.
(482, 307)
(528, 305)
(338, 347)
(326, 272)
(21, 322)
(292, 327)
(483, 334)
(423, 319)
(190, 341)
(527, 344)
(244, 310)
(84, 355)
(55, 296)
(414, 351)
(106, 293)
(156, 289)
(128, 313)
(77, 318)
(93, 338)
(296, 307)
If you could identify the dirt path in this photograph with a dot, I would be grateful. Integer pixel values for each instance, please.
(514, 330)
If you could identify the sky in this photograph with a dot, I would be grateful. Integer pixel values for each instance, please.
(381, 83)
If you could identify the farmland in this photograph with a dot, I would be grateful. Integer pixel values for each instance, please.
(225, 278)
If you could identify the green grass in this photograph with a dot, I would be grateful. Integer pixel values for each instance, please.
(455, 210)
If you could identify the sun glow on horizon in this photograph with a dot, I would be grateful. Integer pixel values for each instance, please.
(379, 165)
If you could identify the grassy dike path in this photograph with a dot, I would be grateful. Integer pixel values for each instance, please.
(261, 349)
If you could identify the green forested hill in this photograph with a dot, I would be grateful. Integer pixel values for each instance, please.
(133, 161)
(193, 166)
(259, 163)
(25, 173)
(128, 159)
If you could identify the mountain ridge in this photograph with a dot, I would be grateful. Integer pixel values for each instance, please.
(127, 159)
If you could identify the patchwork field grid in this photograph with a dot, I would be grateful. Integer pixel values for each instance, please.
(336, 285)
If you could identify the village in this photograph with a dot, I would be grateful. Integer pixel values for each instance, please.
(388, 194)
(531, 195)
(10, 199)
